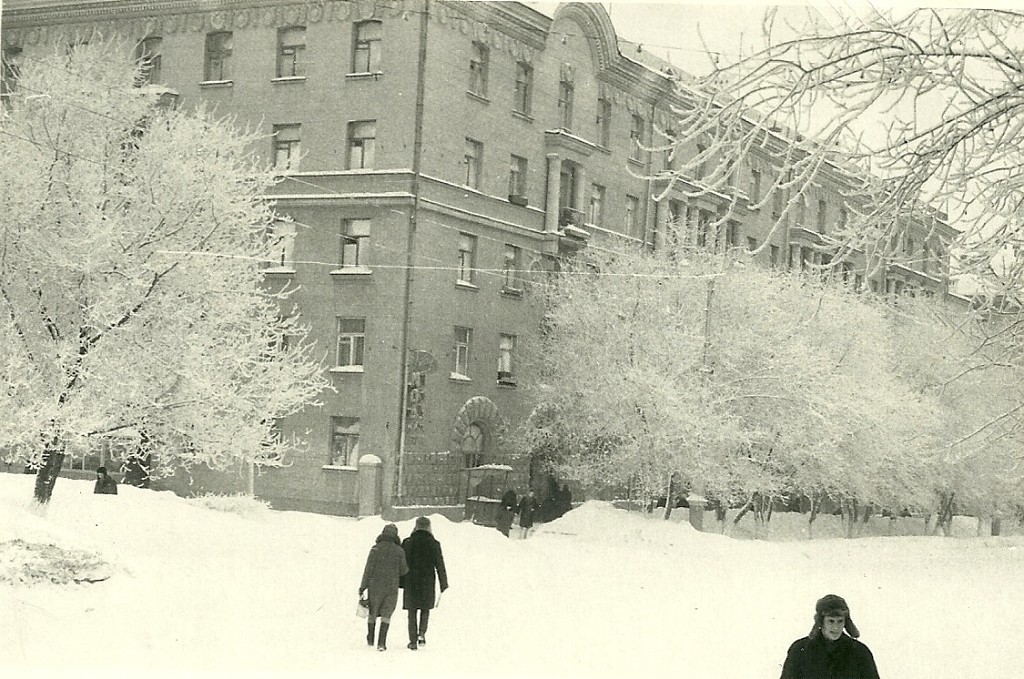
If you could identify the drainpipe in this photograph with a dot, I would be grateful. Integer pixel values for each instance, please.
(417, 155)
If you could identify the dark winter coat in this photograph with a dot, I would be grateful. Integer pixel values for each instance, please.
(385, 567)
(425, 559)
(527, 508)
(818, 658)
(506, 511)
(105, 486)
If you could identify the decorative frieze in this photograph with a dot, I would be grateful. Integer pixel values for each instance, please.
(241, 18)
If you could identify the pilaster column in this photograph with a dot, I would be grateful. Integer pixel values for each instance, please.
(554, 189)
(660, 225)
(580, 200)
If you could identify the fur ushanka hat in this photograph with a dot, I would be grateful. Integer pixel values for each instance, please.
(833, 605)
(423, 523)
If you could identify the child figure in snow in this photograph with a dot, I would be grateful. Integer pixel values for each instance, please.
(527, 508)
(831, 650)
(385, 567)
(105, 483)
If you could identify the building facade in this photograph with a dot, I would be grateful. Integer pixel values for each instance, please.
(436, 156)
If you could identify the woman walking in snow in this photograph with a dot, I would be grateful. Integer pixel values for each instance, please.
(424, 556)
(385, 567)
(506, 512)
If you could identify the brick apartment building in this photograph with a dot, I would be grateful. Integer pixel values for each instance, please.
(435, 156)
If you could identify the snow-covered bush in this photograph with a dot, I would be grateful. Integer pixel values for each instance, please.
(239, 503)
(33, 563)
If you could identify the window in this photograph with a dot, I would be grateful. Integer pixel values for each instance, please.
(506, 349)
(755, 186)
(282, 245)
(366, 52)
(362, 143)
(524, 88)
(10, 69)
(517, 176)
(286, 147)
(473, 160)
(566, 95)
(595, 215)
(844, 216)
(351, 339)
(703, 228)
(751, 243)
(801, 212)
(604, 121)
(478, 64)
(773, 255)
(732, 234)
(291, 46)
(467, 257)
(632, 208)
(806, 257)
(926, 256)
(463, 341)
(354, 233)
(636, 137)
(218, 57)
(512, 262)
(344, 441)
(822, 214)
(698, 173)
(148, 55)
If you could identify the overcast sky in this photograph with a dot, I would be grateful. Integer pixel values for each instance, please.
(674, 30)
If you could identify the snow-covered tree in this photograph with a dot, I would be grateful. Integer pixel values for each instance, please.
(731, 380)
(920, 106)
(131, 293)
(973, 373)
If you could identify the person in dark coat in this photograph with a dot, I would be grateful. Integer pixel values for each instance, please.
(105, 483)
(385, 568)
(563, 501)
(506, 511)
(527, 508)
(423, 553)
(831, 650)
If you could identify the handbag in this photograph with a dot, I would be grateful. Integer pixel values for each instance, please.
(363, 606)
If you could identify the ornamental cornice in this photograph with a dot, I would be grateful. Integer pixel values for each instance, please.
(41, 23)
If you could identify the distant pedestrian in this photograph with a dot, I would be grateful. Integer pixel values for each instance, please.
(385, 567)
(563, 501)
(105, 483)
(423, 553)
(506, 511)
(527, 508)
(831, 650)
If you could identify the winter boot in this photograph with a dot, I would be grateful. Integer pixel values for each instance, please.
(382, 637)
(424, 619)
(371, 629)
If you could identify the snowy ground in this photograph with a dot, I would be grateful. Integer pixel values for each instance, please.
(598, 593)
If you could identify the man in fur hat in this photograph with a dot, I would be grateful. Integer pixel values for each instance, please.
(831, 650)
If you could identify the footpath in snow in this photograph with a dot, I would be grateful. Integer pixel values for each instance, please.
(601, 592)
